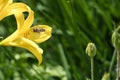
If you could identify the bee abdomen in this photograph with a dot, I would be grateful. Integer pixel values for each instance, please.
(38, 30)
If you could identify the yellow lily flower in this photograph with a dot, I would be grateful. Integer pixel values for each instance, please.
(25, 36)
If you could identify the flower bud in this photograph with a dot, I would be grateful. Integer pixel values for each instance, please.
(91, 49)
(106, 76)
(116, 39)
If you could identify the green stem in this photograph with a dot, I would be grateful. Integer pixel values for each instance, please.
(118, 64)
(64, 61)
(112, 61)
(92, 68)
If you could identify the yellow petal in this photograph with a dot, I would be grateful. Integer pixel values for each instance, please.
(22, 25)
(29, 45)
(39, 33)
(28, 22)
(20, 20)
(3, 7)
(9, 38)
(4, 4)
(16, 8)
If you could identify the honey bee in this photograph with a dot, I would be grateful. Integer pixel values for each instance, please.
(38, 30)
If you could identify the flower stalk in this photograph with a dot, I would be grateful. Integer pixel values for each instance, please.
(118, 64)
(92, 68)
(91, 51)
(116, 44)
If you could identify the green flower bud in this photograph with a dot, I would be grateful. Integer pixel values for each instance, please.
(91, 49)
(106, 76)
(116, 39)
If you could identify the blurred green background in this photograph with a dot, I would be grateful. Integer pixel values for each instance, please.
(75, 23)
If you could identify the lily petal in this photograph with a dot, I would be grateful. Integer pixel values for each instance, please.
(39, 33)
(16, 8)
(22, 25)
(9, 38)
(5, 3)
(20, 20)
(3, 7)
(29, 45)
(20, 7)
